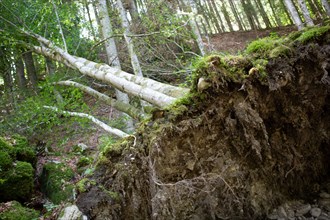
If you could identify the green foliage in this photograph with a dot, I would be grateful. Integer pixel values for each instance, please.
(55, 182)
(15, 211)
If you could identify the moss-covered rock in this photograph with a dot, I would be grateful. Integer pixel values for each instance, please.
(5, 161)
(55, 181)
(15, 211)
(17, 183)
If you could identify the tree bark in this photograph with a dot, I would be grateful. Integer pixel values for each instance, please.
(227, 18)
(326, 6)
(31, 69)
(106, 127)
(305, 12)
(294, 14)
(20, 75)
(191, 8)
(111, 50)
(263, 14)
(233, 8)
(125, 24)
(277, 18)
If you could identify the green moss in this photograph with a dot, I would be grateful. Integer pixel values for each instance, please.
(114, 150)
(15, 211)
(17, 182)
(84, 161)
(280, 50)
(26, 154)
(84, 184)
(20, 141)
(5, 161)
(55, 181)
(7, 147)
(313, 33)
(264, 45)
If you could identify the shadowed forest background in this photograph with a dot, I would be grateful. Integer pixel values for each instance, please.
(151, 109)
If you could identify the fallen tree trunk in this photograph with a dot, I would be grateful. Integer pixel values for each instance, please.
(105, 72)
(101, 124)
(120, 106)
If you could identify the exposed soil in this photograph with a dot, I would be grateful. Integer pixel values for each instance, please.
(236, 153)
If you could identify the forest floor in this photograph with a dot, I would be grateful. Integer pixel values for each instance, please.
(233, 42)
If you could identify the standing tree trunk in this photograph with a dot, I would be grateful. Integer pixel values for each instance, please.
(277, 18)
(234, 10)
(124, 22)
(31, 69)
(227, 18)
(201, 10)
(305, 12)
(20, 75)
(212, 9)
(111, 49)
(5, 72)
(294, 14)
(86, 4)
(263, 14)
(192, 21)
(326, 6)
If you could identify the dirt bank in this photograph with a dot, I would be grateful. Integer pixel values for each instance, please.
(236, 150)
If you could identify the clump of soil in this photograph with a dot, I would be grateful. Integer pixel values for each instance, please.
(240, 148)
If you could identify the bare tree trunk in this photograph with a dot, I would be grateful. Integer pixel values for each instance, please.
(124, 22)
(86, 4)
(111, 49)
(20, 75)
(294, 14)
(5, 72)
(227, 18)
(233, 8)
(200, 10)
(211, 6)
(51, 71)
(31, 69)
(120, 106)
(60, 26)
(305, 12)
(106, 127)
(263, 14)
(326, 6)
(277, 18)
(147, 89)
(191, 8)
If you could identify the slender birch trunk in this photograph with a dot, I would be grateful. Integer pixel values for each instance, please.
(101, 124)
(305, 12)
(294, 14)
(111, 49)
(326, 6)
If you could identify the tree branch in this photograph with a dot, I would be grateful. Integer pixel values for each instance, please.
(106, 127)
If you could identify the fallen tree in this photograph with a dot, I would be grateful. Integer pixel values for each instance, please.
(256, 138)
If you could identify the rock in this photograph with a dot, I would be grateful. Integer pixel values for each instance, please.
(71, 213)
(316, 212)
(302, 210)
